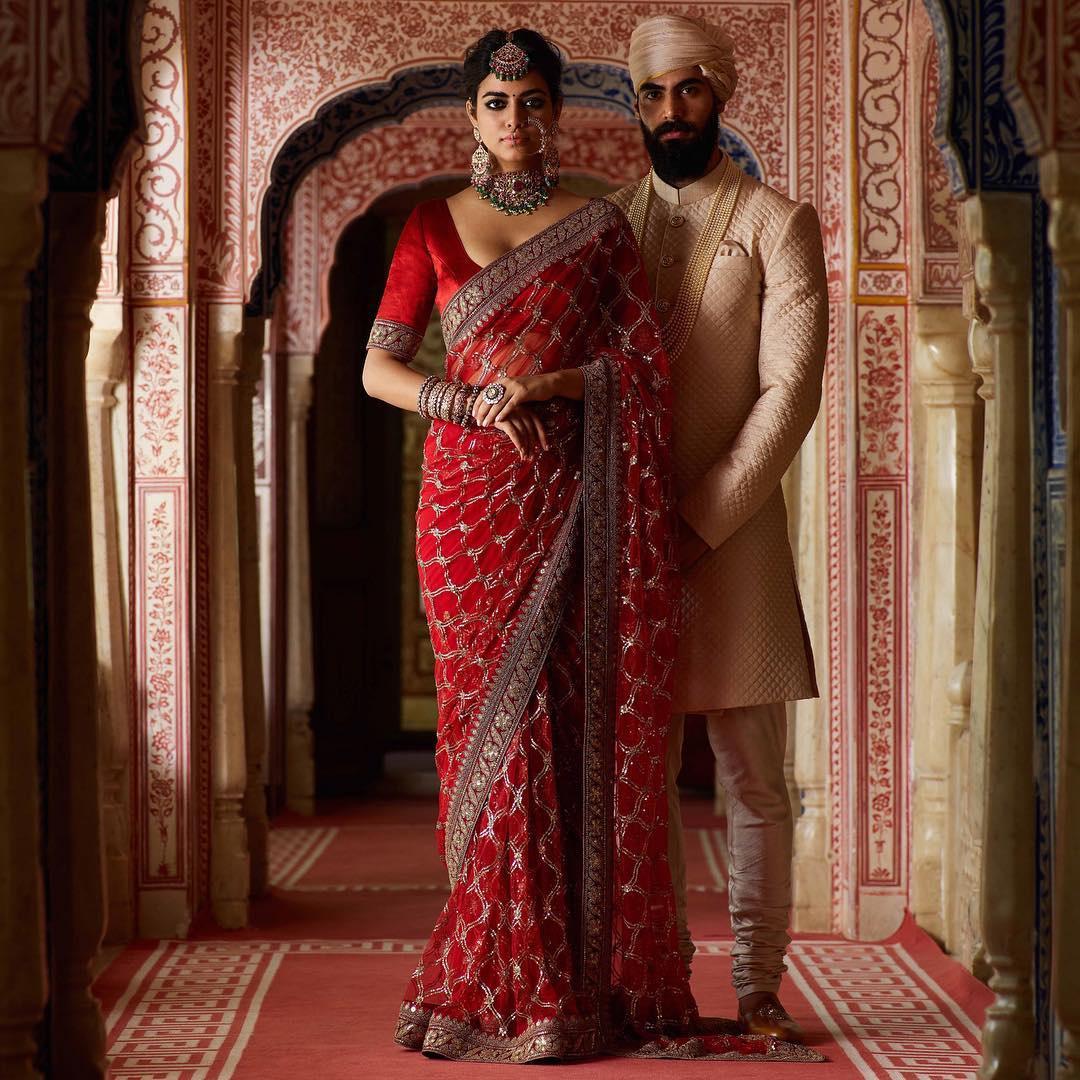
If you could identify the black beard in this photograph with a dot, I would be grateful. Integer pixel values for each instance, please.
(679, 160)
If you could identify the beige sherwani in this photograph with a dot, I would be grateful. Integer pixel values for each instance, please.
(747, 387)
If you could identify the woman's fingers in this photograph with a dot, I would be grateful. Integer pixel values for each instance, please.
(506, 407)
(512, 433)
(539, 431)
(525, 432)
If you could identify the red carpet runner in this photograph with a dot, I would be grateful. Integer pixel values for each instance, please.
(312, 989)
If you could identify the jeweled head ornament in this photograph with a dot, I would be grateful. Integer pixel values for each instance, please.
(509, 62)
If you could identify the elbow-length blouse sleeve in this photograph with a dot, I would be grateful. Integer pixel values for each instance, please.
(409, 295)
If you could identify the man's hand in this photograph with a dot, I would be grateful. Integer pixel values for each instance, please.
(691, 546)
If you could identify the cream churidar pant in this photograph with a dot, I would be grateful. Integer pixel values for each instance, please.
(749, 747)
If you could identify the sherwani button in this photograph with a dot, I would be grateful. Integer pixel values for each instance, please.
(667, 260)
(662, 304)
(677, 220)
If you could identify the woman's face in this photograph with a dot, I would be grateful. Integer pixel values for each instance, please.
(503, 113)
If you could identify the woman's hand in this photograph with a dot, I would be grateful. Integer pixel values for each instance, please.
(525, 430)
(569, 383)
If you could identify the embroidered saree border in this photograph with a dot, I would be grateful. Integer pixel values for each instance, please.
(395, 337)
(489, 289)
(425, 1030)
(601, 551)
(516, 678)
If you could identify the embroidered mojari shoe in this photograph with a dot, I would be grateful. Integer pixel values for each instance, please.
(764, 1015)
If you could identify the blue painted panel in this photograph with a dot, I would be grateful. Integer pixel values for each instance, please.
(976, 127)
(1003, 163)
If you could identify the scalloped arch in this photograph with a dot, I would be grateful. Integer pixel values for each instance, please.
(591, 85)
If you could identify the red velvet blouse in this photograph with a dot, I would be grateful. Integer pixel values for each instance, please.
(430, 265)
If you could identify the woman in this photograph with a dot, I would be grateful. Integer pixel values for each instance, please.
(545, 552)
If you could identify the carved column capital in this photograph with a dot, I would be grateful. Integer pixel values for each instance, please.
(942, 365)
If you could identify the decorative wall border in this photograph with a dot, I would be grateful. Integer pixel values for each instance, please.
(875, 842)
(167, 814)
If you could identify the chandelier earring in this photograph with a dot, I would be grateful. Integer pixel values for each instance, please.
(549, 151)
(549, 155)
(481, 161)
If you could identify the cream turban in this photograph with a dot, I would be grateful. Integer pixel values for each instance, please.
(667, 42)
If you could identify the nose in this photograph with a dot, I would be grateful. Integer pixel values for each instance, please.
(672, 107)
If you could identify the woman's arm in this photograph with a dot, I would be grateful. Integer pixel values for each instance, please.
(389, 380)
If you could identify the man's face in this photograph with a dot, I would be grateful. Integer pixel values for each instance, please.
(679, 117)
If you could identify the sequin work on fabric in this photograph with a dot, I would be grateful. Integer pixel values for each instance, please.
(549, 586)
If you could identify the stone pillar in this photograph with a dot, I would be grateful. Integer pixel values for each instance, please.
(1002, 694)
(22, 924)
(812, 868)
(968, 782)
(300, 664)
(963, 934)
(230, 873)
(251, 623)
(230, 867)
(1060, 176)
(105, 363)
(946, 598)
(76, 897)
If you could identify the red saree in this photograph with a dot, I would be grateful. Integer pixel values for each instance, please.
(549, 586)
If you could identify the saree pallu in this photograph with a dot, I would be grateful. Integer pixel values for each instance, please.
(550, 591)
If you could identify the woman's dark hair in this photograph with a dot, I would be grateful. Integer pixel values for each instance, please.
(544, 59)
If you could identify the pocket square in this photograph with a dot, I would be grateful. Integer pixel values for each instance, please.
(732, 247)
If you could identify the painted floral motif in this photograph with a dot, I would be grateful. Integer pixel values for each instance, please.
(218, 104)
(879, 126)
(940, 224)
(159, 569)
(881, 392)
(158, 394)
(301, 56)
(157, 170)
(880, 629)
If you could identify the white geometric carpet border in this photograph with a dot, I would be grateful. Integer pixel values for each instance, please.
(190, 1010)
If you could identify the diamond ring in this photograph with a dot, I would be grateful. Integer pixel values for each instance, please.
(495, 393)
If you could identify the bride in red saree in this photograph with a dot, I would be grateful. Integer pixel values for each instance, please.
(547, 568)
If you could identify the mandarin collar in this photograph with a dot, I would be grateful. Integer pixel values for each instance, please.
(694, 192)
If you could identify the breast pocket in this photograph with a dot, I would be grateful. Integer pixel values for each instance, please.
(725, 261)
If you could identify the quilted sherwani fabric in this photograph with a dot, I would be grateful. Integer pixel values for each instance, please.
(747, 388)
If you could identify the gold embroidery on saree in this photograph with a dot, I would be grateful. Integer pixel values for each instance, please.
(395, 337)
(517, 676)
(601, 493)
(489, 289)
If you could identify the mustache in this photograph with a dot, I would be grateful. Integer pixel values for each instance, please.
(669, 126)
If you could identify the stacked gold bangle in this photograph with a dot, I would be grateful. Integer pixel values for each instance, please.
(446, 399)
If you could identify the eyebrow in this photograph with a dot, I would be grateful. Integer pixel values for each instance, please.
(503, 94)
(694, 80)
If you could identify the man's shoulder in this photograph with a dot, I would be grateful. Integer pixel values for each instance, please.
(769, 204)
(624, 196)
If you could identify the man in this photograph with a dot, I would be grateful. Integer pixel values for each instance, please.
(739, 278)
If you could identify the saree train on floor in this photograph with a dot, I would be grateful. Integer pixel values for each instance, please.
(550, 590)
